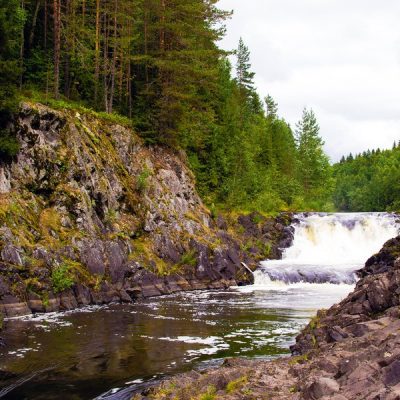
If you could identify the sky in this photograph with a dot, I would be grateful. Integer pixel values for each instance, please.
(339, 57)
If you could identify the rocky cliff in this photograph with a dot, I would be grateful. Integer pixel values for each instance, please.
(90, 215)
(349, 352)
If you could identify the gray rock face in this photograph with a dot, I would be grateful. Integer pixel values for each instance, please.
(85, 199)
(12, 255)
(321, 387)
(92, 257)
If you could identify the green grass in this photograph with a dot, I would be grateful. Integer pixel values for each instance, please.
(65, 104)
(210, 394)
(236, 384)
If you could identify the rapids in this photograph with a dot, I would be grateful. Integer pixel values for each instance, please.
(329, 248)
(117, 349)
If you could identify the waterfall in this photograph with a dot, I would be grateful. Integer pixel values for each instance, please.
(329, 248)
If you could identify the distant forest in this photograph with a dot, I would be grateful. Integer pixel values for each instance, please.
(368, 181)
(158, 64)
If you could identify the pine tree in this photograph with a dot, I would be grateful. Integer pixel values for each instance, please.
(177, 68)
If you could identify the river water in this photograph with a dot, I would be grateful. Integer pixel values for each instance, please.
(114, 349)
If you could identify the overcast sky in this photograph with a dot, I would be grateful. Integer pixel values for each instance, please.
(340, 57)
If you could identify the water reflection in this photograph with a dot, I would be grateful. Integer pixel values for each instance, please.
(79, 355)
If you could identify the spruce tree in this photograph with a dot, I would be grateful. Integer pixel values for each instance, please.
(313, 162)
(244, 77)
(272, 107)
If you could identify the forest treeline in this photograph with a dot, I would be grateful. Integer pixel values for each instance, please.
(157, 62)
(369, 181)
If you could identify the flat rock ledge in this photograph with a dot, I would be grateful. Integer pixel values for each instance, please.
(349, 352)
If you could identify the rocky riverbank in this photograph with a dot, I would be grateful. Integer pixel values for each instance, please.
(90, 215)
(349, 352)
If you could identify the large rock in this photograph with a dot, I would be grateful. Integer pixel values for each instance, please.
(85, 197)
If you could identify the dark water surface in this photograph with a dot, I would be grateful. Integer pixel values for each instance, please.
(81, 354)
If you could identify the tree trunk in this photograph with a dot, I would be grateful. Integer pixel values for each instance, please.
(97, 52)
(162, 27)
(114, 62)
(57, 45)
(21, 51)
(45, 25)
(34, 21)
(146, 49)
(83, 12)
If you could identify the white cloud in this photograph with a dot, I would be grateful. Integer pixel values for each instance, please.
(340, 57)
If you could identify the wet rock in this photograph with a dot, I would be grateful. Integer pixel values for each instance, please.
(124, 296)
(11, 306)
(68, 300)
(82, 295)
(35, 303)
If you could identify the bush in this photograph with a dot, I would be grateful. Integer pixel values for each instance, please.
(9, 145)
(142, 180)
(62, 278)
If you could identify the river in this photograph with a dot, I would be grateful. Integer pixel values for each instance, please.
(113, 350)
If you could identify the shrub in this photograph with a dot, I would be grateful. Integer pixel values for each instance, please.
(210, 394)
(9, 145)
(62, 278)
(189, 259)
(142, 180)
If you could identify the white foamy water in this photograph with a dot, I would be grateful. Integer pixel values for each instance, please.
(340, 239)
(327, 249)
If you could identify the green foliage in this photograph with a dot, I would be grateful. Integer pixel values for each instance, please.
(211, 394)
(189, 259)
(314, 168)
(62, 278)
(369, 181)
(236, 384)
(143, 67)
(9, 145)
(142, 180)
(244, 77)
(12, 18)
